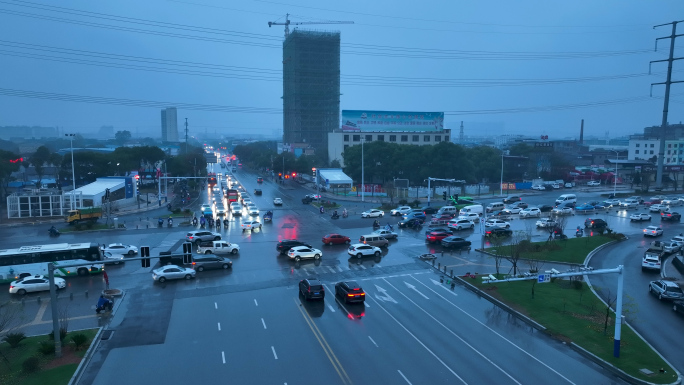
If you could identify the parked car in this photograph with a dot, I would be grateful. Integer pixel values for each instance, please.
(285, 245)
(311, 289)
(512, 209)
(359, 250)
(33, 283)
(546, 222)
(498, 232)
(427, 210)
(598, 205)
(565, 210)
(304, 252)
(336, 239)
(460, 224)
(436, 236)
(593, 183)
(656, 208)
(497, 223)
(387, 234)
(595, 223)
(629, 203)
(120, 248)
(545, 208)
(250, 225)
(453, 242)
(672, 216)
(530, 212)
(665, 290)
(372, 213)
(209, 261)
(350, 291)
(401, 210)
(653, 231)
(585, 208)
(440, 229)
(511, 199)
(538, 187)
(638, 217)
(172, 272)
(612, 202)
(474, 217)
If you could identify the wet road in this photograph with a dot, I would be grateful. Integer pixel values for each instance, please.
(234, 324)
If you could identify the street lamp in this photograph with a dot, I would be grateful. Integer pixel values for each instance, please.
(73, 173)
(617, 156)
(501, 184)
(363, 186)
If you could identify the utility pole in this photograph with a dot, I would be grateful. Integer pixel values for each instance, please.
(186, 135)
(668, 82)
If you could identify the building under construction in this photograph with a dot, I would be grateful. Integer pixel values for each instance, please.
(311, 88)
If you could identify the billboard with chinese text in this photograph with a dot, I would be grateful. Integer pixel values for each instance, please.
(364, 120)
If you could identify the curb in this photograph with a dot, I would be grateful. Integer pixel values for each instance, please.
(86, 358)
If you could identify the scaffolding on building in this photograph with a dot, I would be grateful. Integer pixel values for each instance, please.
(31, 203)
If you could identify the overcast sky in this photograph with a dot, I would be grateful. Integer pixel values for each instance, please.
(503, 67)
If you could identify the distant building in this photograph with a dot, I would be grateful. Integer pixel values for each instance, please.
(106, 132)
(25, 132)
(169, 124)
(311, 87)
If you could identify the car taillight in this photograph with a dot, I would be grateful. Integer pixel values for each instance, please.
(11, 287)
(350, 295)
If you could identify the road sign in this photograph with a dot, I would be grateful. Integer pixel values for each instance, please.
(544, 278)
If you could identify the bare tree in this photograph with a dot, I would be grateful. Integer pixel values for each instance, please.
(10, 315)
(498, 256)
(562, 223)
(519, 244)
(629, 307)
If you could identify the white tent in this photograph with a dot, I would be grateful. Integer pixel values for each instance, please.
(333, 177)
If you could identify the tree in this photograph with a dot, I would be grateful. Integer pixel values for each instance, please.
(121, 137)
(8, 164)
(520, 243)
(39, 159)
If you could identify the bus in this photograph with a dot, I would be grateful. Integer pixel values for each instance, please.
(232, 195)
(32, 260)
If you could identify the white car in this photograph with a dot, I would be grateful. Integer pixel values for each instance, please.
(470, 216)
(387, 234)
(401, 210)
(372, 213)
(562, 211)
(512, 210)
(653, 231)
(639, 217)
(671, 202)
(546, 222)
(250, 225)
(657, 208)
(461, 223)
(629, 203)
(277, 201)
(172, 272)
(112, 259)
(304, 252)
(34, 283)
(612, 202)
(359, 250)
(497, 223)
(120, 248)
(253, 210)
(538, 187)
(593, 183)
(569, 185)
(221, 212)
(530, 212)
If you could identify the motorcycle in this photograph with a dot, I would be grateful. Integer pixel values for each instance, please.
(160, 222)
(53, 232)
(225, 223)
(107, 305)
(335, 216)
(344, 214)
(170, 222)
(579, 232)
(322, 210)
(194, 221)
(218, 224)
(376, 225)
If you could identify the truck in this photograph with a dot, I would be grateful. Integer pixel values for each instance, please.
(90, 214)
(217, 247)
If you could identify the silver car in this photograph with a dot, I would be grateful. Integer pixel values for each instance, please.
(209, 261)
(172, 272)
(112, 259)
(665, 290)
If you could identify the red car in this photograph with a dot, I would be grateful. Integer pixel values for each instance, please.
(436, 236)
(336, 239)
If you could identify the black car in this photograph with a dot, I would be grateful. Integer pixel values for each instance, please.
(595, 223)
(455, 242)
(411, 222)
(498, 232)
(429, 210)
(670, 216)
(201, 262)
(511, 199)
(257, 191)
(350, 291)
(678, 306)
(311, 289)
(306, 200)
(285, 245)
(545, 208)
(439, 229)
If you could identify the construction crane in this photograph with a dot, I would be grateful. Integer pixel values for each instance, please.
(287, 23)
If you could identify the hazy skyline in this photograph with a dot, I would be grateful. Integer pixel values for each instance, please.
(505, 68)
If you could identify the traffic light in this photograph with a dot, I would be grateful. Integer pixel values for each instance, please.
(455, 197)
(313, 171)
(444, 195)
(145, 254)
(187, 253)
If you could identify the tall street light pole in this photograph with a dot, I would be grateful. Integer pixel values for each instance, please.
(501, 184)
(363, 186)
(617, 156)
(73, 172)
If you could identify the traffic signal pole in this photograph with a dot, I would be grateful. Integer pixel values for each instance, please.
(429, 179)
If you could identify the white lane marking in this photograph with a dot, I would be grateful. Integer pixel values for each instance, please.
(362, 267)
(376, 345)
(416, 290)
(263, 323)
(255, 302)
(378, 265)
(223, 357)
(274, 353)
(366, 304)
(331, 269)
(420, 342)
(441, 285)
(215, 305)
(340, 269)
(494, 331)
(331, 308)
(219, 326)
(404, 377)
(384, 296)
(454, 334)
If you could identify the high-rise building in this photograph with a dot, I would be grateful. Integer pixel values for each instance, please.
(169, 123)
(311, 87)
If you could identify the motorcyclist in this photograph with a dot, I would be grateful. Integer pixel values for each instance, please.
(102, 301)
(202, 221)
(170, 221)
(161, 222)
(376, 223)
(344, 213)
(322, 210)
(335, 214)
(53, 230)
(194, 221)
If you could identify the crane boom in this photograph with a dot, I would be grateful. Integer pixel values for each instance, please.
(287, 23)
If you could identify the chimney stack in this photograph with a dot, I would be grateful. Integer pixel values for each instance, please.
(582, 133)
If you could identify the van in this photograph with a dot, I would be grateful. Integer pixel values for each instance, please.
(451, 210)
(472, 209)
(374, 240)
(495, 206)
(566, 198)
